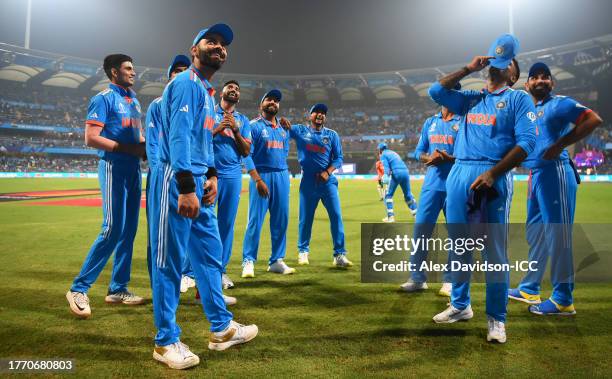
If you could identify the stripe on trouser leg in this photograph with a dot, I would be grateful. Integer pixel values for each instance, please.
(162, 233)
(108, 172)
(564, 205)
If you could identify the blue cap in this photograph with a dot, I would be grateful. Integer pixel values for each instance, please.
(273, 93)
(537, 68)
(179, 60)
(503, 50)
(382, 146)
(319, 107)
(221, 29)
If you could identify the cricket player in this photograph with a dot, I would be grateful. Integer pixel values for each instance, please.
(268, 188)
(380, 173)
(551, 197)
(497, 133)
(435, 150)
(183, 220)
(179, 64)
(319, 154)
(395, 173)
(113, 127)
(232, 142)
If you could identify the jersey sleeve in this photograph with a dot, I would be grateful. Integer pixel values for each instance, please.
(524, 122)
(384, 158)
(570, 111)
(98, 110)
(152, 131)
(183, 105)
(336, 152)
(294, 131)
(245, 129)
(423, 145)
(458, 102)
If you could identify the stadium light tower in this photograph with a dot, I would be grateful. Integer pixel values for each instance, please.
(26, 43)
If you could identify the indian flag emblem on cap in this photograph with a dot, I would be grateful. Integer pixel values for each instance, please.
(499, 50)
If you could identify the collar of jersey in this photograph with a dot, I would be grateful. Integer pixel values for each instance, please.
(220, 110)
(314, 130)
(206, 83)
(121, 90)
(268, 122)
(545, 100)
(497, 91)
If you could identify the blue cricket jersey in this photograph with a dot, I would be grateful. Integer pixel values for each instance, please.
(117, 111)
(494, 122)
(392, 162)
(269, 146)
(316, 149)
(153, 123)
(554, 116)
(228, 160)
(187, 119)
(441, 135)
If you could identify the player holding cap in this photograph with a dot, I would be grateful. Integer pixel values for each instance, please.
(319, 153)
(183, 179)
(435, 149)
(179, 64)
(397, 171)
(113, 127)
(551, 197)
(232, 142)
(497, 133)
(269, 187)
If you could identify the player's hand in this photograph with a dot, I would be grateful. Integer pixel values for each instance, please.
(230, 122)
(484, 180)
(435, 159)
(553, 152)
(447, 156)
(262, 188)
(210, 191)
(323, 176)
(188, 205)
(478, 63)
(285, 123)
(385, 179)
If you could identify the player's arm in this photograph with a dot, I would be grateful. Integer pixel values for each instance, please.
(524, 134)
(242, 136)
(422, 148)
(183, 104)
(336, 158)
(260, 185)
(586, 122)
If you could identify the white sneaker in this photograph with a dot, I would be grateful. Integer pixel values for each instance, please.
(280, 267)
(234, 334)
(176, 356)
(452, 314)
(303, 258)
(446, 289)
(389, 219)
(411, 286)
(248, 269)
(229, 300)
(413, 212)
(125, 297)
(187, 283)
(341, 261)
(497, 330)
(227, 282)
(79, 304)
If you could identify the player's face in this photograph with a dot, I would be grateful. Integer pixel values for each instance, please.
(211, 51)
(177, 70)
(231, 93)
(318, 118)
(540, 85)
(513, 74)
(125, 75)
(270, 106)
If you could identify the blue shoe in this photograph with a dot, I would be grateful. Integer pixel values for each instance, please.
(516, 294)
(549, 307)
(412, 205)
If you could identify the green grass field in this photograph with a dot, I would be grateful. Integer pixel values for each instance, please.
(320, 322)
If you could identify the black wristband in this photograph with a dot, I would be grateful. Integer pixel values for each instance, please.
(185, 182)
(211, 173)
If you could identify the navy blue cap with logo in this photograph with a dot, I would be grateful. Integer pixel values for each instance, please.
(319, 107)
(179, 60)
(273, 94)
(537, 68)
(221, 29)
(503, 49)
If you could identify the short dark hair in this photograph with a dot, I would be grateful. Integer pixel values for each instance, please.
(518, 69)
(114, 61)
(231, 82)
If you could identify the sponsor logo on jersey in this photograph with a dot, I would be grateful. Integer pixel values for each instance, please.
(121, 109)
(264, 133)
(94, 115)
(275, 145)
(315, 148)
(184, 108)
(441, 139)
(432, 127)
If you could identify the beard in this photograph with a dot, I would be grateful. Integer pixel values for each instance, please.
(540, 92)
(271, 110)
(205, 58)
(231, 100)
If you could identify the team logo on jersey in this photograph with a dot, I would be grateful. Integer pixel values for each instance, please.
(540, 114)
(499, 50)
(217, 117)
(325, 140)
(282, 132)
(500, 105)
(121, 109)
(456, 127)
(531, 116)
(264, 133)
